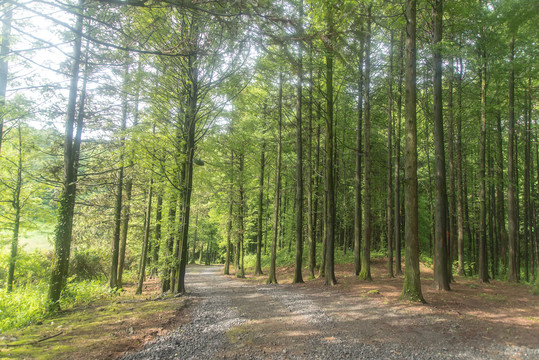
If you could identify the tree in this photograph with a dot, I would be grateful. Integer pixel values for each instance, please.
(272, 278)
(365, 273)
(329, 176)
(441, 276)
(66, 201)
(298, 278)
(411, 289)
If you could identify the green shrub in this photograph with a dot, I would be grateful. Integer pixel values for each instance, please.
(88, 264)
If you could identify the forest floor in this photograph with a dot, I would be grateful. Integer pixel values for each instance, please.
(224, 317)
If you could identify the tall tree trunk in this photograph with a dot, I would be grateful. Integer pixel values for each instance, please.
(365, 273)
(229, 225)
(4, 53)
(146, 239)
(527, 184)
(398, 266)
(483, 260)
(166, 283)
(331, 211)
(441, 276)
(241, 209)
(513, 273)
(298, 266)
(119, 184)
(16, 205)
(452, 199)
(157, 239)
(311, 213)
(258, 267)
(195, 235)
(411, 289)
(66, 201)
(128, 192)
(272, 278)
(390, 163)
(502, 233)
(460, 184)
(359, 155)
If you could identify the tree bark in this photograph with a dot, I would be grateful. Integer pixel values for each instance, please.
(441, 276)
(483, 260)
(365, 273)
(398, 266)
(460, 184)
(390, 163)
(412, 285)
(513, 272)
(119, 185)
(298, 277)
(330, 227)
(359, 155)
(16, 205)
(157, 238)
(272, 278)
(258, 267)
(146, 239)
(66, 201)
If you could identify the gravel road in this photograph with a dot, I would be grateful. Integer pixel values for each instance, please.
(237, 320)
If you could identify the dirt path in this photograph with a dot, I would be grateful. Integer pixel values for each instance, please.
(236, 319)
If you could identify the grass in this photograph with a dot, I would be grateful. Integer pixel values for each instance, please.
(28, 304)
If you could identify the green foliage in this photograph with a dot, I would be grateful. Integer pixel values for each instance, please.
(31, 268)
(27, 304)
(88, 264)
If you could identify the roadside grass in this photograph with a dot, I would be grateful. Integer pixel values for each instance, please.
(102, 328)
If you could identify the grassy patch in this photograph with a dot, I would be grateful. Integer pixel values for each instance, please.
(92, 331)
(493, 297)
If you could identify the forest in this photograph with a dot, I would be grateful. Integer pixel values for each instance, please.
(141, 136)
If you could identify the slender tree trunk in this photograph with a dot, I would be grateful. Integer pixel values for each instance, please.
(331, 211)
(359, 155)
(452, 201)
(513, 273)
(157, 239)
(390, 164)
(192, 260)
(258, 267)
(311, 214)
(171, 231)
(502, 233)
(398, 266)
(411, 289)
(298, 277)
(527, 198)
(241, 210)
(483, 260)
(441, 276)
(460, 184)
(146, 239)
(272, 278)
(16, 205)
(228, 237)
(365, 273)
(229, 225)
(66, 201)
(128, 192)
(119, 185)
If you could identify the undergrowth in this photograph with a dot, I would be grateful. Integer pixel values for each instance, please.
(26, 305)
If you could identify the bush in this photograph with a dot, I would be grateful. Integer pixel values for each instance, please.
(87, 265)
